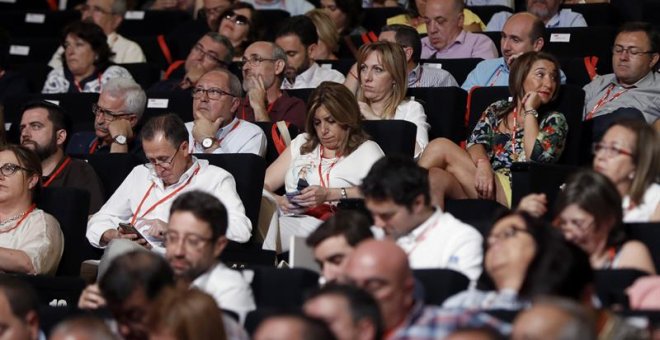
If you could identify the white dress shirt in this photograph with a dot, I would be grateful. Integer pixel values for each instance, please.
(229, 289)
(313, 77)
(124, 202)
(125, 52)
(244, 138)
(442, 241)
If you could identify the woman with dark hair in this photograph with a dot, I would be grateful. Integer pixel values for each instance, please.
(322, 166)
(520, 130)
(525, 257)
(346, 15)
(86, 65)
(239, 25)
(31, 241)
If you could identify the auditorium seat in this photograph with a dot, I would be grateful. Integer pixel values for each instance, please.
(611, 284)
(459, 68)
(36, 74)
(112, 169)
(649, 234)
(37, 23)
(439, 284)
(280, 288)
(49, 288)
(583, 41)
(445, 110)
(269, 128)
(393, 136)
(530, 177)
(150, 23)
(598, 14)
(479, 213)
(144, 74)
(271, 20)
(375, 18)
(32, 50)
(341, 65)
(159, 103)
(485, 13)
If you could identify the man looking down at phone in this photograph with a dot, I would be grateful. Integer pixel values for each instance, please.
(144, 198)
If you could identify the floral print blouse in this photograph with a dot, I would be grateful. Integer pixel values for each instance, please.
(547, 148)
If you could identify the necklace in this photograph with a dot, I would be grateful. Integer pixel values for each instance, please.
(22, 217)
(11, 219)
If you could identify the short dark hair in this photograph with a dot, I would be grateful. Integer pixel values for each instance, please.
(170, 125)
(22, 297)
(314, 329)
(406, 36)
(353, 11)
(27, 159)
(205, 207)
(93, 34)
(397, 178)
(639, 26)
(538, 29)
(351, 224)
(134, 270)
(362, 304)
(56, 114)
(301, 26)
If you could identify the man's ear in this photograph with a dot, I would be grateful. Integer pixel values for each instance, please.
(654, 60)
(235, 104)
(60, 137)
(219, 246)
(279, 66)
(116, 21)
(418, 204)
(461, 20)
(133, 119)
(538, 44)
(409, 52)
(310, 49)
(32, 320)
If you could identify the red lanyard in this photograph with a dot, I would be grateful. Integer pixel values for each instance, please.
(604, 100)
(268, 109)
(21, 220)
(514, 133)
(421, 238)
(92, 148)
(162, 199)
(57, 172)
(232, 129)
(326, 183)
(497, 75)
(80, 88)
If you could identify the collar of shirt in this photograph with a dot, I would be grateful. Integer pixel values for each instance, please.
(153, 177)
(554, 21)
(415, 75)
(460, 39)
(647, 81)
(304, 77)
(112, 38)
(223, 132)
(410, 239)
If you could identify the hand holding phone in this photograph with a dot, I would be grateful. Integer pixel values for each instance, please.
(127, 228)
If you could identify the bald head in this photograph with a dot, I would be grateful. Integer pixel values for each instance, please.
(523, 32)
(381, 268)
(554, 318)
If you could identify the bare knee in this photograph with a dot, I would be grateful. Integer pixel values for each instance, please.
(435, 153)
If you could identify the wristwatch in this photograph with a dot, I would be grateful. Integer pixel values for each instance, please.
(120, 139)
(208, 142)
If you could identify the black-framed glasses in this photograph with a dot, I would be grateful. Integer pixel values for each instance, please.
(255, 60)
(238, 19)
(108, 115)
(191, 241)
(163, 162)
(9, 169)
(632, 51)
(505, 234)
(609, 150)
(212, 93)
(206, 54)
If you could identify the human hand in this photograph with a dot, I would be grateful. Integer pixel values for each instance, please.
(484, 180)
(91, 298)
(120, 126)
(133, 237)
(286, 206)
(153, 227)
(513, 57)
(531, 100)
(311, 196)
(204, 128)
(534, 204)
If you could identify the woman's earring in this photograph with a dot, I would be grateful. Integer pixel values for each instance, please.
(631, 176)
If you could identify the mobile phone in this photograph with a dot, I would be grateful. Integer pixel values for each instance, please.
(129, 229)
(302, 184)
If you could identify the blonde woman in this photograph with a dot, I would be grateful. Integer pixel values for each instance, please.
(328, 36)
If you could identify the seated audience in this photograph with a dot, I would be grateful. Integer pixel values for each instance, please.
(555, 318)
(328, 42)
(19, 308)
(507, 132)
(263, 72)
(185, 315)
(108, 14)
(239, 25)
(417, 9)
(321, 166)
(216, 129)
(522, 32)
(350, 312)
(383, 84)
(297, 37)
(635, 83)
(334, 240)
(211, 51)
(44, 130)
(144, 198)
(292, 326)
(31, 241)
(116, 115)
(86, 64)
(346, 14)
(213, 11)
(381, 268)
(12, 82)
(546, 10)
(298, 7)
(446, 37)
(396, 192)
(525, 257)
(168, 5)
(82, 328)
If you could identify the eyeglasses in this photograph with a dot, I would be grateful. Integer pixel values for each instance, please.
(505, 234)
(108, 115)
(633, 51)
(254, 60)
(609, 150)
(206, 54)
(191, 241)
(95, 9)
(9, 169)
(213, 93)
(163, 162)
(238, 19)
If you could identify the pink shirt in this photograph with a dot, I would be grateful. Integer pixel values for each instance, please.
(466, 45)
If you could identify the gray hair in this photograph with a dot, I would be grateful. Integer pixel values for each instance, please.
(278, 52)
(118, 7)
(134, 97)
(221, 39)
(235, 86)
(580, 325)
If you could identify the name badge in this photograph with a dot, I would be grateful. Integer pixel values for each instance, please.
(560, 37)
(19, 50)
(53, 101)
(437, 66)
(35, 18)
(134, 15)
(8, 1)
(158, 103)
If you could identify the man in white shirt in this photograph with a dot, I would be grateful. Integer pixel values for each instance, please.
(396, 192)
(108, 14)
(216, 129)
(547, 10)
(145, 196)
(195, 239)
(298, 38)
(294, 7)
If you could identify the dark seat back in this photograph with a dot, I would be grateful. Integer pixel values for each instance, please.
(459, 68)
(151, 23)
(649, 234)
(464, 210)
(112, 169)
(281, 288)
(393, 136)
(612, 283)
(439, 284)
(53, 288)
(445, 110)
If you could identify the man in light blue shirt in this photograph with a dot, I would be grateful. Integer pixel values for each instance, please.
(547, 10)
(523, 32)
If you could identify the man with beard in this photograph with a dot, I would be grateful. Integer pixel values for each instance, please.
(547, 10)
(118, 110)
(44, 129)
(297, 37)
(108, 14)
(195, 239)
(263, 71)
(216, 98)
